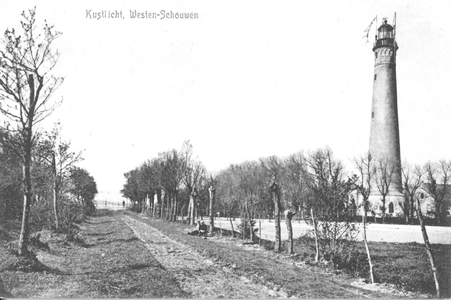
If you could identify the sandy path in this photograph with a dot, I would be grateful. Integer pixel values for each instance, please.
(196, 275)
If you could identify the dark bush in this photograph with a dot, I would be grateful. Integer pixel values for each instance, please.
(41, 215)
(69, 212)
(89, 208)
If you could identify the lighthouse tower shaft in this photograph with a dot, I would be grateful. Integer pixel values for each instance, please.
(384, 135)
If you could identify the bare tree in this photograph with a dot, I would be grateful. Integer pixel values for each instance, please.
(289, 214)
(329, 200)
(249, 190)
(273, 168)
(193, 174)
(212, 194)
(297, 189)
(383, 173)
(428, 247)
(363, 185)
(315, 231)
(412, 178)
(294, 191)
(149, 181)
(172, 163)
(438, 176)
(275, 192)
(26, 87)
(58, 157)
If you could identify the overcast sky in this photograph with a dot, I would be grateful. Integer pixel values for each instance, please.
(247, 79)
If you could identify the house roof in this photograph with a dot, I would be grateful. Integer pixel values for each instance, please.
(447, 198)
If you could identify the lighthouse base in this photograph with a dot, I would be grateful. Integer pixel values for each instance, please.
(394, 204)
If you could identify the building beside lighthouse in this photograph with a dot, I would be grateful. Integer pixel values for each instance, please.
(384, 146)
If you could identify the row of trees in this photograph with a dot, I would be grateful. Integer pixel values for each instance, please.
(315, 182)
(36, 167)
(56, 181)
(316, 185)
(428, 182)
(174, 183)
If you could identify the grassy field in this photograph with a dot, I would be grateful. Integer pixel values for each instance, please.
(407, 266)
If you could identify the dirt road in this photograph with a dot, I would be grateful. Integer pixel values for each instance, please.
(196, 275)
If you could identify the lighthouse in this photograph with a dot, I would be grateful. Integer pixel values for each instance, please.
(384, 146)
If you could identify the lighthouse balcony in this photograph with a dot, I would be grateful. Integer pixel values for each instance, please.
(387, 42)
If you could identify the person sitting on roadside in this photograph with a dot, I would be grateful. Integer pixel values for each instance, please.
(202, 228)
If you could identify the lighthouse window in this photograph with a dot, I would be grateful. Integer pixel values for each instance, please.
(376, 54)
(372, 114)
(375, 75)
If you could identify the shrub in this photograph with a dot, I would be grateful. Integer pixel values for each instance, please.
(336, 241)
(69, 211)
(89, 208)
(41, 215)
(249, 223)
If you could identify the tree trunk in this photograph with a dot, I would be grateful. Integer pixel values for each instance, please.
(162, 208)
(154, 205)
(168, 206)
(407, 218)
(55, 204)
(315, 230)
(211, 190)
(276, 199)
(251, 232)
(188, 213)
(428, 248)
(289, 214)
(248, 216)
(260, 232)
(231, 224)
(174, 206)
(28, 194)
(366, 246)
(191, 209)
(440, 216)
(244, 225)
(164, 196)
(182, 210)
(55, 192)
(412, 208)
(151, 205)
(169, 202)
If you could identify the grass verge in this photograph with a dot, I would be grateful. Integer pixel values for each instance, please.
(296, 275)
(107, 261)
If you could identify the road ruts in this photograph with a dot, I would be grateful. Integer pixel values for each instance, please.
(200, 277)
